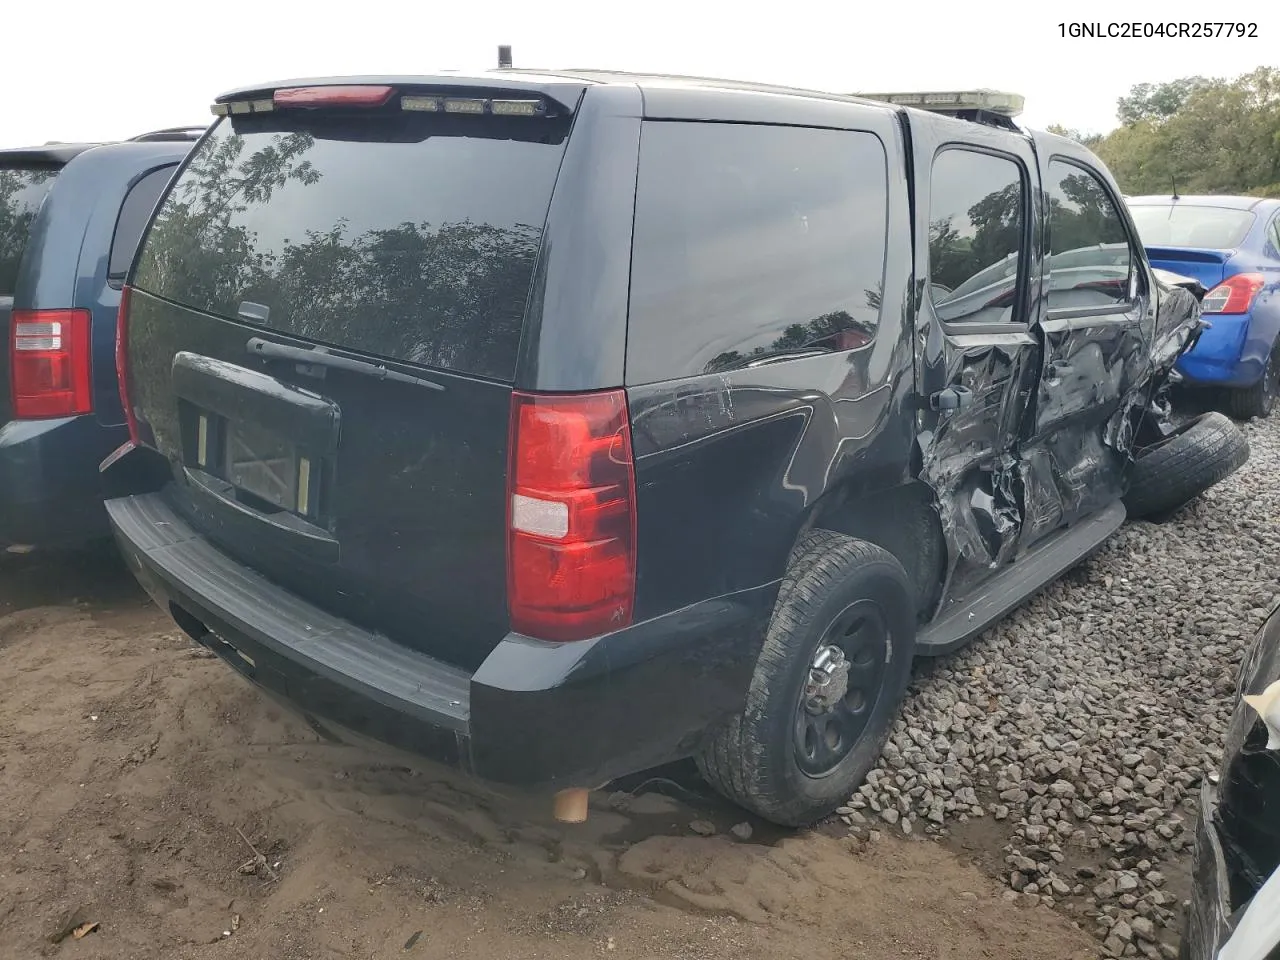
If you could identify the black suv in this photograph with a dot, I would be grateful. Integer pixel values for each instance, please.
(71, 216)
(564, 425)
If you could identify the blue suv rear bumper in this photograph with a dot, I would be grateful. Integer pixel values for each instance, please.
(50, 494)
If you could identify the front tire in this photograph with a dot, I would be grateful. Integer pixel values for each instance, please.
(827, 684)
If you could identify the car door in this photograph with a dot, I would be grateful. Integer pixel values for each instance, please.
(1097, 303)
(976, 358)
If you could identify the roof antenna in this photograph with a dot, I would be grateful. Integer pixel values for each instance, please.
(1175, 186)
(504, 57)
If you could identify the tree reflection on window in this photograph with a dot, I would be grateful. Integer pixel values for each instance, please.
(833, 332)
(975, 237)
(1090, 260)
(449, 294)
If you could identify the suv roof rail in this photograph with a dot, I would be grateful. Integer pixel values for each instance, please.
(993, 107)
(169, 133)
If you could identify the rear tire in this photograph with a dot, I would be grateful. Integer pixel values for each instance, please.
(1177, 469)
(842, 593)
(1258, 400)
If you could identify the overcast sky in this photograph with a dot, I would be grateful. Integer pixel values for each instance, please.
(113, 69)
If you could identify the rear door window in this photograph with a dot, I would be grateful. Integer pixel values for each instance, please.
(22, 190)
(977, 228)
(406, 236)
(138, 205)
(753, 244)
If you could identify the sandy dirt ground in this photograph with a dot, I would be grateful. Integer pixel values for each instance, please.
(146, 788)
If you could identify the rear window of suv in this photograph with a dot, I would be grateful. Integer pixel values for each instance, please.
(405, 236)
(22, 190)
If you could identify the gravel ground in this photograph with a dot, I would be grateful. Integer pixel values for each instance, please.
(1072, 738)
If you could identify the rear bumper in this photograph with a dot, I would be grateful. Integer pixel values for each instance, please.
(533, 714)
(50, 493)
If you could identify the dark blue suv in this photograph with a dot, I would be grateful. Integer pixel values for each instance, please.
(71, 216)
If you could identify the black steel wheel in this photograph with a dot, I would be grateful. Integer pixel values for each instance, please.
(827, 684)
(845, 679)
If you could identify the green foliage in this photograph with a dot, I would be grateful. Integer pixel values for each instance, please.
(1157, 101)
(1204, 135)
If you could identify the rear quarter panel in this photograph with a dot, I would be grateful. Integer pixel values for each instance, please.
(1259, 255)
(730, 465)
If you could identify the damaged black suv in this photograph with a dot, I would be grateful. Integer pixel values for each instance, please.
(562, 425)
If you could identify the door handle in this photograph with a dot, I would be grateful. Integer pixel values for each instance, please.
(952, 398)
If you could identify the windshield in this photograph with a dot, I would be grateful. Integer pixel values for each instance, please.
(22, 190)
(1179, 225)
(405, 236)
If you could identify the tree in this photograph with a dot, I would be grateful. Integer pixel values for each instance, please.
(1202, 136)
(1157, 101)
(1090, 140)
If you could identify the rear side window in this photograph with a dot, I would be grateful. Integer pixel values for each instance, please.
(137, 207)
(1089, 254)
(753, 244)
(22, 190)
(977, 222)
(407, 236)
(1176, 224)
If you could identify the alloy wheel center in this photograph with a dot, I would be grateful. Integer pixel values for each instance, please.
(828, 680)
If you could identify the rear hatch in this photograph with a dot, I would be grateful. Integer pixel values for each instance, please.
(321, 337)
(25, 180)
(1193, 240)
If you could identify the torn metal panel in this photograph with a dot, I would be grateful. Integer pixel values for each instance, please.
(1237, 852)
(1178, 325)
(967, 459)
(1249, 791)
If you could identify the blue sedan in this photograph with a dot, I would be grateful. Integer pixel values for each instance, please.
(1232, 246)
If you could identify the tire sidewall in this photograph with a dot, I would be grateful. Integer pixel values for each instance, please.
(1266, 396)
(884, 583)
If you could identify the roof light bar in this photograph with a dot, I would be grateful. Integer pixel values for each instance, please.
(463, 105)
(241, 107)
(958, 101)
(421, 104)
(516, 108)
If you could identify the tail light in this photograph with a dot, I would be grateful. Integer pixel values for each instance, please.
(572, 540)
(49, 354)
(122, 364)
(1234, 294)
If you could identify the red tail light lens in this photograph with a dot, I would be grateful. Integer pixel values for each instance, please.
(122, 364)
(350, 95)
(1234, 294)
(571, 546)
(49, 353)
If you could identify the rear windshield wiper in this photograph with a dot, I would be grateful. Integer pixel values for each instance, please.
(320, 357)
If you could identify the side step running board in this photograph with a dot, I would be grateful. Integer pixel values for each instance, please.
(966, 617)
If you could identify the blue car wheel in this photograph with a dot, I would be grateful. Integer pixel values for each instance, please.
(1257, 400)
